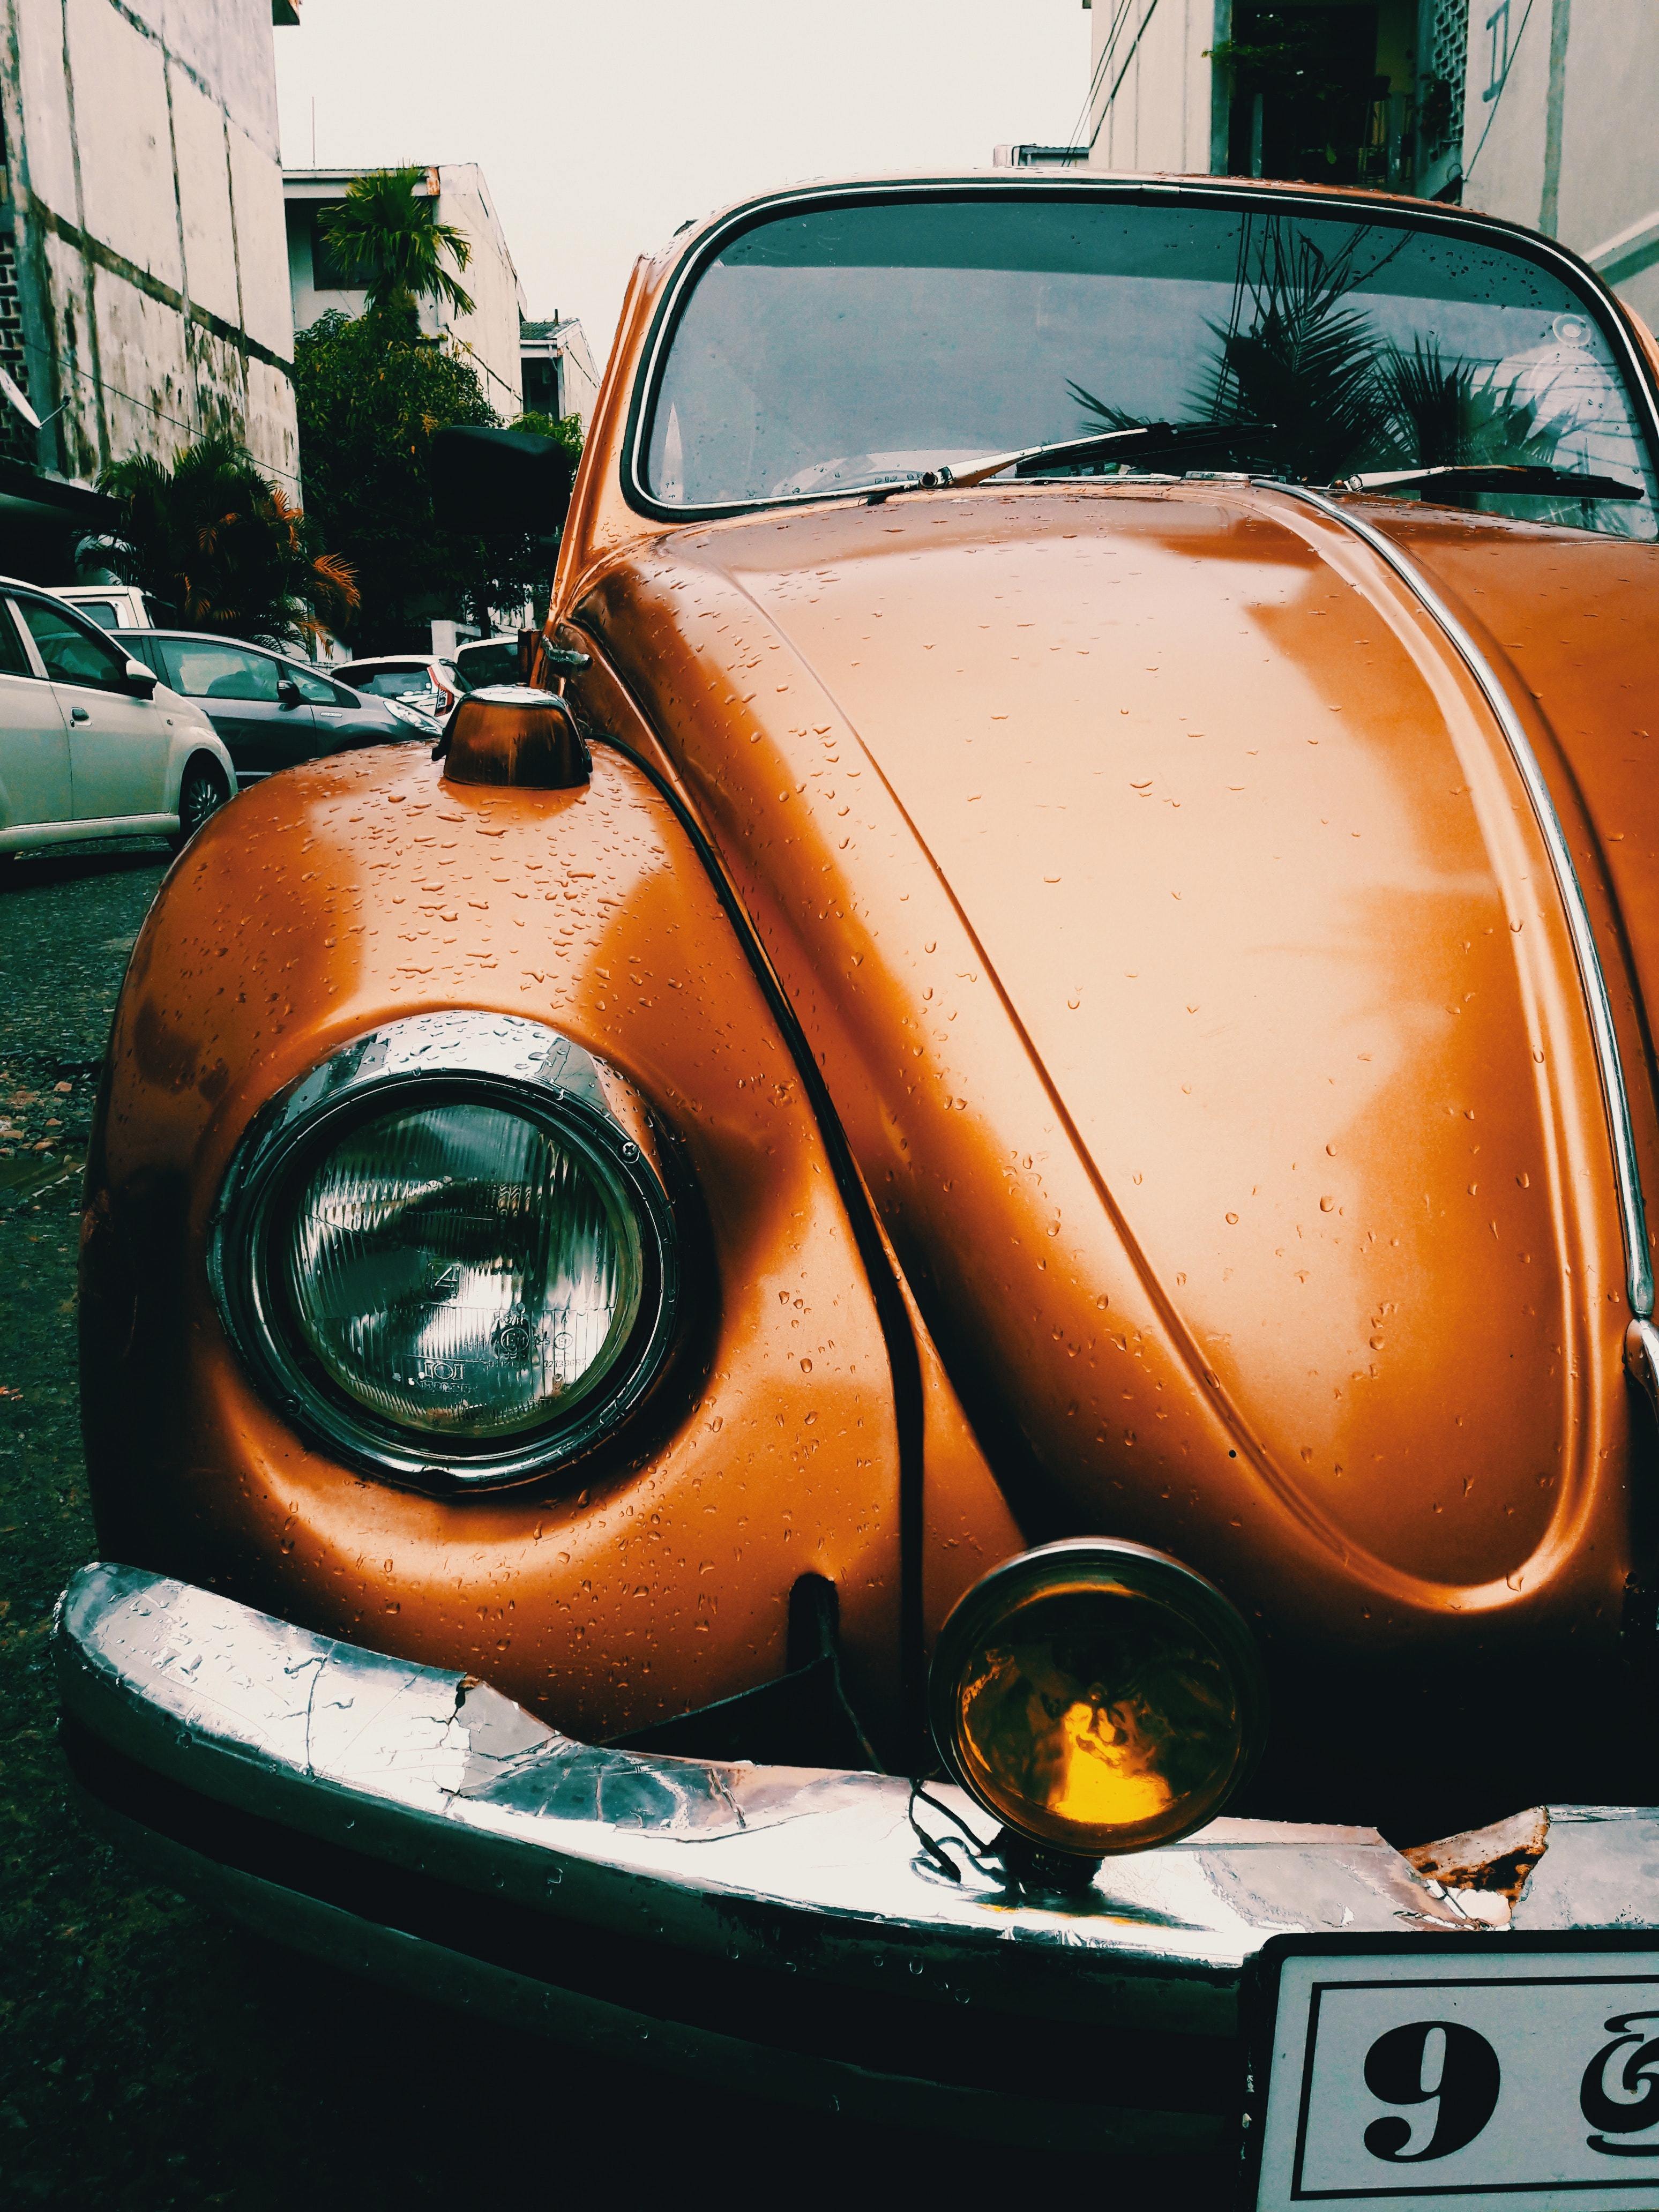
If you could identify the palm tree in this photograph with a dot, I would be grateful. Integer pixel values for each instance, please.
(211, 536)
(391, 236)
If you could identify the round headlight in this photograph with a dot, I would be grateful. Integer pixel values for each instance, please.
(464, 1269)
(1097, 1696)
(448, 1262)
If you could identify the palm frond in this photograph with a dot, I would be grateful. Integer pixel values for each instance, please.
(1451, 414)
(388, 234)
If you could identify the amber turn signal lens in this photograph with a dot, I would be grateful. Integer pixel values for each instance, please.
(1097, 1696)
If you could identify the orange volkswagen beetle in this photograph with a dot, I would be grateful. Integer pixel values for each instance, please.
(919, 1307)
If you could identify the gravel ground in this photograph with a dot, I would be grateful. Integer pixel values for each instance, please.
(152, 2056)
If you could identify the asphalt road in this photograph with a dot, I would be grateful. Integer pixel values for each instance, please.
(152, 2056)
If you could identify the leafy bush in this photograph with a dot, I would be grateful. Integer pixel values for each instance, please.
(369, 401)
(229, 549)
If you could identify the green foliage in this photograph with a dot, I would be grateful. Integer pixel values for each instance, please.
(230, 550)
(1452, 415)
(1299, 354)
(566, 428)
(369, 402)
(391, 236)
(1296, 62)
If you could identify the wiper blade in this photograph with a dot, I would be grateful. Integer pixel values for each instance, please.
(1517, 479)
(1142, 441)
(1146, 441)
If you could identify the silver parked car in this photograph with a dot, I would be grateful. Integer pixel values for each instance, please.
(91, 744)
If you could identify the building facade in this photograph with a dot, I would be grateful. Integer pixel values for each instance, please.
(1342, 93)
(489, 336)
(1537, 110)
(559, 376)
(144, 299)
(1557, 129)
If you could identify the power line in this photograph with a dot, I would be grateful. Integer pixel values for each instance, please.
(144, 405)
(1124, 71)
(194, 429)
(1100, 69)
(1503, 86)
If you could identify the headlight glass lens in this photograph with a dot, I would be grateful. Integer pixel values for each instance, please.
(1097, 1706)
(464, 1269)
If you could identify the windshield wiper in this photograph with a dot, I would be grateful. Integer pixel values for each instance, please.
(1517, 479)
(1143, 441)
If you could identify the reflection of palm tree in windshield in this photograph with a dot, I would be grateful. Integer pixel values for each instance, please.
(1295, 352)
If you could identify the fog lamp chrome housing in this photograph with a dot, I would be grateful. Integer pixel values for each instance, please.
(1097, 1696)
(446, 1253)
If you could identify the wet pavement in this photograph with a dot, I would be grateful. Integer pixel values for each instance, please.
(151, 2055)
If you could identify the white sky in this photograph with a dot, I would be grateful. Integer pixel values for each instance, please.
(601, 128)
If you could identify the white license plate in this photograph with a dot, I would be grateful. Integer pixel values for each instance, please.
(1437, 2078)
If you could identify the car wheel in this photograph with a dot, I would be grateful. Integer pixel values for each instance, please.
(202, 792)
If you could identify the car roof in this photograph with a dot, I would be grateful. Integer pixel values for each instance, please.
(215, 637)
(394, 660)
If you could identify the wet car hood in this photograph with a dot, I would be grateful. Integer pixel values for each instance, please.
(1188, 971)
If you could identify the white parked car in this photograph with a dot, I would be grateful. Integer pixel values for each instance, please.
(111, 606)
(91, 744)
(425, 681)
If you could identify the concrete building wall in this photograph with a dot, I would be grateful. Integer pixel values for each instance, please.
(559, 376)
(144, 223)
(1150, 89)
(489, 334)
(1558, 130)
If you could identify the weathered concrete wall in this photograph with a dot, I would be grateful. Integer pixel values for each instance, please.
(1150, 94)
(1559, 131)
(489, 336)
(147, 209)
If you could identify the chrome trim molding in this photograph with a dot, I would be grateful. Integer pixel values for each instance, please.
(1639, 1271)
(436, 1973)
(820, 1871)
(1352, 203)
(499, 1059)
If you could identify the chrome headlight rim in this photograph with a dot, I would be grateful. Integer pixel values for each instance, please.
(1109, 1564)
(440, 1060)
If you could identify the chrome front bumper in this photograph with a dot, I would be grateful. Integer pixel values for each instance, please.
(782, 1927)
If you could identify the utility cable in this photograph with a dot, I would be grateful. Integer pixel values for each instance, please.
(1498, 97)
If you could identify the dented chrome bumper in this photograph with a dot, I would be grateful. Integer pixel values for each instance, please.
(784, 1926)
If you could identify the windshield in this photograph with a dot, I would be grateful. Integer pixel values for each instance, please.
(489, 663)
(409, 681)
(821, 351)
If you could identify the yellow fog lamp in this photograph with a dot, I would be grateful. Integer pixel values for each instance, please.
(1097, 1696)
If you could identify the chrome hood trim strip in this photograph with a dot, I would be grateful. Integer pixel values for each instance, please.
(1639, 1271)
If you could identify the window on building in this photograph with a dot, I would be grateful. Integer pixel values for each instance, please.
(541, 386)
(329, 271)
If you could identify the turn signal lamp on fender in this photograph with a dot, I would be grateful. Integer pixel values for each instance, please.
(1097, 1697)
(513, 733)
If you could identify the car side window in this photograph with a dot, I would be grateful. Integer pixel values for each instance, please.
(202, 668)
(140, 646)
(74, 652)
(312, 688)
(399, 683)
(14, 654)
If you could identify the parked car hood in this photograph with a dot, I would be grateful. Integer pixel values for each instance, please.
(1188, 969)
